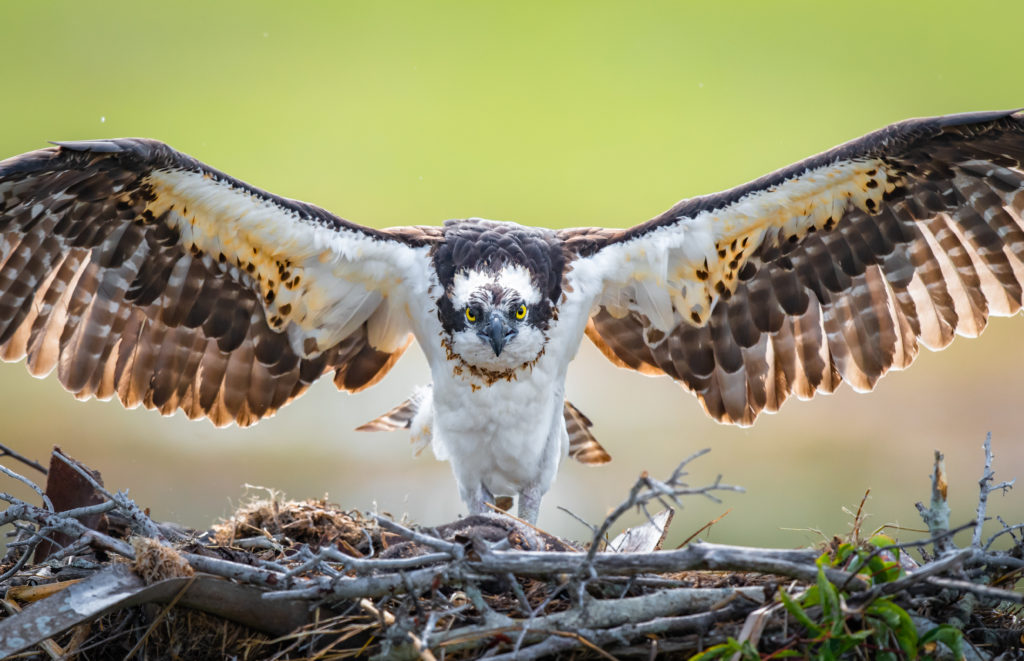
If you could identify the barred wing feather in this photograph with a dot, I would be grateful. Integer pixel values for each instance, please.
(834, 269)
(138, 272)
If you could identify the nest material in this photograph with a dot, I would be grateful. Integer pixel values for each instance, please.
(347, 585)
(315, 523)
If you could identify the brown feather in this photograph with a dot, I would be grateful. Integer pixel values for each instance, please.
(100, 286)
(583, 447)
(932, 252)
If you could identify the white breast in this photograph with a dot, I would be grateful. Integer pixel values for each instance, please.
(509, 435)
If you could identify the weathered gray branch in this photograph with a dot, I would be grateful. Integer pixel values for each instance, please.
(434, 599)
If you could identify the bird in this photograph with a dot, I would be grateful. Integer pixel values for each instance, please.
(138, 272)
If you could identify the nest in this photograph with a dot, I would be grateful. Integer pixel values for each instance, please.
(285, 579)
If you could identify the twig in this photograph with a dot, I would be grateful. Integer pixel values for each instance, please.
(590, 526)
(646, 489)
(984, 591)
(455, 550)
(601, 602)
(936, 516)
(1007, 530)
(706, 526)
(5, 451)
(145, 525)
(796, 564)
(985, 487)
(387, 619)
(32, 485)
(859, 562)
(159, 618)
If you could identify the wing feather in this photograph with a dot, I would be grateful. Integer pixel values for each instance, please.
(834, 269)
(138, 272)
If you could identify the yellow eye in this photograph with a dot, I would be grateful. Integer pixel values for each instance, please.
(521, 312)
(470, 317)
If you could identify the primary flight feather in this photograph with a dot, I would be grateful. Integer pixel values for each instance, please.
(138, 272)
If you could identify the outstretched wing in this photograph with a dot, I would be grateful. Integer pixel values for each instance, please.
(137, 271)
(833, 269)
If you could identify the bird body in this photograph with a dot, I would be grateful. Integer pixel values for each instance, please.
(140, 273)
(496, 413)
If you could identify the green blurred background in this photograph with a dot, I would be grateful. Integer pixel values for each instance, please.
(556, 114)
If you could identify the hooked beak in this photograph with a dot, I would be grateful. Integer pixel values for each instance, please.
(497, 333)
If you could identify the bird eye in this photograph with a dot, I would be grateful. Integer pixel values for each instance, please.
(470, 316)
(521, 312)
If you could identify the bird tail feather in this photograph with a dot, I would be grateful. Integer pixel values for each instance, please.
(583, 447)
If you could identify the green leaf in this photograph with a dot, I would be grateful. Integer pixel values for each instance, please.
(832, 613)
(715, 652)
(886, 611)
(727, 649)
(799, 613)
(884, 571)
(899, 623)
(948, 635)
(811, 597)
(906, 634)
(881, 541)
(843, 553)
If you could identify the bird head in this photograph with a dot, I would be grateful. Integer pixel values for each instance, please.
(492, 318)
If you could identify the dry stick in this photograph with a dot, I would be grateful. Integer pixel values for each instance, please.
(582, 641)
(922, 574)
(8, 452)
(362, 565)
(706, 526)
(434, 542)
(163, 613)
(52, 522)
(32, 485)
(63, 522)
(345, 588)
(975, 588)
(793, 563)
(1006, 530)
(30, 545)
(533, 614)
(493, 562)
(672, 488)
(621, 616)
(616, 634)
(501, 512)
(387, 619)
(985, 488)
(936, 516)
(860, 563)
(146, 525)
(591, 527)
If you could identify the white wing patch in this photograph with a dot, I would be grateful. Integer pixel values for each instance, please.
(680, 270)
(316, 282)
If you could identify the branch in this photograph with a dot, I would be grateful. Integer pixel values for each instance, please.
(985, 487)
(936, 515)
(8, 452)
(140, 520)
(797, 564)
(647, 489)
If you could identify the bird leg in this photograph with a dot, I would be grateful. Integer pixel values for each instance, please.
(529, 503)
(478, 500)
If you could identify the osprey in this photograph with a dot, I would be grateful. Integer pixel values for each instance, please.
(138, 272)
